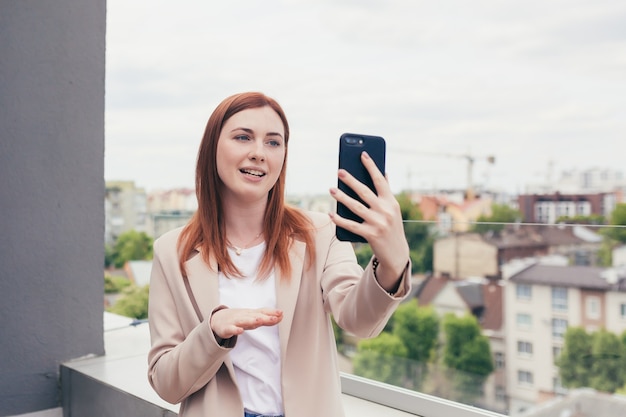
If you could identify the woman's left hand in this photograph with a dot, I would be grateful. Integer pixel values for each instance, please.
(382, 222)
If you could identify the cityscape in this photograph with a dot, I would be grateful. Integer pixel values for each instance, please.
(525, 283)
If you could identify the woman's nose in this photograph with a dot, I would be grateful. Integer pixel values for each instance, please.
(257, 153)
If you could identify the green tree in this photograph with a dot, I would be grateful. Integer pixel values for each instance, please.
(114, 284)
(109, 257)
(617, 218)
(501, 214)
(382, 358)
(337, 331)
(595, 360)
(417, 234)
(130, 246)
(622, 338)
(575, 358)
(418, 328)
(133, 303)
(363, 253)
(594, 219)
(422, 256)
(607, 368)
(605, 253)
(468, 352)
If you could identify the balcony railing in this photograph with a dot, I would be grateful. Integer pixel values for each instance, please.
(116, 385)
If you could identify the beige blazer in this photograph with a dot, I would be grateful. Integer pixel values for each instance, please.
(187, 365)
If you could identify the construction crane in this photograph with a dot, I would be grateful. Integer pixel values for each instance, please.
(470, 192)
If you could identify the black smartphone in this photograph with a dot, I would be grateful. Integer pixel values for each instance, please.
(351, 146)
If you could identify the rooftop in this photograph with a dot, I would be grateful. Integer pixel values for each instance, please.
(564, 276)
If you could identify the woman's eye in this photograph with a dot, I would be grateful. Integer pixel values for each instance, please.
(242, 137)
(273, 142)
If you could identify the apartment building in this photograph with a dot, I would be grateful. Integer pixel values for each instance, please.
(541, 302)
(548, 208)
(169, 209)
(183, 199)
(125, 207)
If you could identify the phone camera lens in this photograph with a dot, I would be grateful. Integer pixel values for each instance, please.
(351, 141)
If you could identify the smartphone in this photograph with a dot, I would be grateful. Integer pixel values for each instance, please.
(351, 146)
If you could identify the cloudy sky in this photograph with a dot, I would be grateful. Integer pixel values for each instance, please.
(540, 85)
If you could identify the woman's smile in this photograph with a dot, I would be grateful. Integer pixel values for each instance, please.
(256, 173)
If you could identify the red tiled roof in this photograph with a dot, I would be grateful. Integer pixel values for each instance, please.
(430, 288)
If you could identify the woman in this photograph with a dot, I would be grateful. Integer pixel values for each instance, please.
(241, 297)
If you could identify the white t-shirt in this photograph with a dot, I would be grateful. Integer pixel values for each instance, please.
(256, 356)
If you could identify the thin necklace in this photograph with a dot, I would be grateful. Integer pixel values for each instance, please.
(238, 249)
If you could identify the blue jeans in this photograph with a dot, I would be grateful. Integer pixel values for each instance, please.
(247, 414)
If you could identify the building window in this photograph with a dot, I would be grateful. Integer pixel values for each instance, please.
(523, 291)
(593, 307)
(498, 359)
(524, 321)
(539, 212)
(525, 377)
(622, 310)
(500, 394)
(559, 299)
(582, 258)
(558, 328)
(556, 352)
(584, 208)
(524, 348)
(557, 386)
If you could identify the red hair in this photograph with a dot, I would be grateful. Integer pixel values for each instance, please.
(281, 224)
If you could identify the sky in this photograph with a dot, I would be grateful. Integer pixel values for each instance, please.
(539, 85)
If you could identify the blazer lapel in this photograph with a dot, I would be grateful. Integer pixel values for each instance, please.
(204, 291)
(204, 284)
(287, 292)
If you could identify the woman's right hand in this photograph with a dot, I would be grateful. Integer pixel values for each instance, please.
(229, 322)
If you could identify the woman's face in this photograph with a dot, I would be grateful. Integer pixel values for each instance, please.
(251, 153)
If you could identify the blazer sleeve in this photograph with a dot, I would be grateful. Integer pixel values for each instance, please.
(354, 297)
(184, 355)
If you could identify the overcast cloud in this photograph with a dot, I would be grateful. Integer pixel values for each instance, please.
(528, 82)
